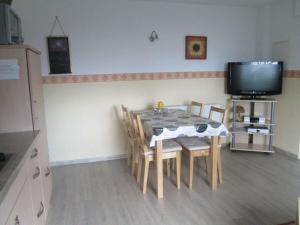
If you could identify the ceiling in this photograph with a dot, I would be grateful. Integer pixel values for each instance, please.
(250, 3)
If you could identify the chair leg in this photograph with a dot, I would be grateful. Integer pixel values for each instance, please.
(140, 163)
(191, 169)
(146, 171)
(220, 172)
(133, 162)
(173, 164)
(178, 169)
(129, 153)
(168, 168)
(206, 166)
(198, 163)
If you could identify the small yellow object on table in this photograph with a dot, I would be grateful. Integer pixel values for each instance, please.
(160, 105)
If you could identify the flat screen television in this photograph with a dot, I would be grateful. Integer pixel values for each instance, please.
(255, 78)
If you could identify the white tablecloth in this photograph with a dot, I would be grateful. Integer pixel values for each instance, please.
(176, 123)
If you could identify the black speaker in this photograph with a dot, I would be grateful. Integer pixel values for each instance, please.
(59, 55)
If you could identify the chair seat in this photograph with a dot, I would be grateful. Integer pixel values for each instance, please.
(195, 143)
(168, 146)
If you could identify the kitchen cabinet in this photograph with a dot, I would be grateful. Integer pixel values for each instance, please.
(22, 109)
(28, 186)
(15, 113)
(35, 180)
(22, 213)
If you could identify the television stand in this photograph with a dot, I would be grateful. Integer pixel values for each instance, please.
(241, 127)
(253, 97)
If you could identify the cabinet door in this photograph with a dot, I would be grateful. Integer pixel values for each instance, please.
(15, 113)
(22, 213)
(35, 178)
(46, 173)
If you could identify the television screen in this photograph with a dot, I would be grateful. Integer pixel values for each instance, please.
(255, 78)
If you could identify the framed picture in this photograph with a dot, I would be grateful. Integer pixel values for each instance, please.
(195, 47)
(59, 55)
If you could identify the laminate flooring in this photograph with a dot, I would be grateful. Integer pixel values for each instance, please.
(257, 189)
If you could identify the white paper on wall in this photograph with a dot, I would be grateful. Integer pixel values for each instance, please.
(9, 69)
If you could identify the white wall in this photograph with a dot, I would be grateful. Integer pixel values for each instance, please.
(282, 43)
(285, 27)
(263, 32)
(83, 119)
(279, 32)
(287, 117)
(285, 36)
(111, 36)
(297, 8)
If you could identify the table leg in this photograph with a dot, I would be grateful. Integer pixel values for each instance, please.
(178, 169)
(214, 162)
(159, 169)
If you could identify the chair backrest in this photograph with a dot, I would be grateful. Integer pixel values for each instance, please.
(127, 122)
(180, 107)
(141, 138)
(133, 124)
(196, 108)
(219, 111)
(221, 115)
(124, 114)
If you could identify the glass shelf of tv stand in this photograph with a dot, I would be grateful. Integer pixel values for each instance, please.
(240, 127)
(238, 99)
(243, 130)
(267, 123)
(247, 147)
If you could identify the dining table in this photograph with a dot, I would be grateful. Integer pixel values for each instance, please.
(165, 124)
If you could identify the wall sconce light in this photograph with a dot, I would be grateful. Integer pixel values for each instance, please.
(153, 36)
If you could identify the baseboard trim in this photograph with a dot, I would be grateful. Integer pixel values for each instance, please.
(286, 153)
(87, 160)
(123, 156)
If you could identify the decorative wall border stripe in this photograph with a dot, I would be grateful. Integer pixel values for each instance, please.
(143, 76)
(131, 77)
(292, 73)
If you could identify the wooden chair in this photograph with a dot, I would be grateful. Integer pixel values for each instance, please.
(196, 105)
(179, 107)
(170, 150)
(125, 123)
(200, 147)
(132, 159)
(191, 109)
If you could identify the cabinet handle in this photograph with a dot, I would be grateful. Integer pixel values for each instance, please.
(48, 172)
(41, 211)
(34, 154)
(17, 221)
(38, 172)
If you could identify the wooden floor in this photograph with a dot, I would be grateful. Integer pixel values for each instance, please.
(258, 189)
